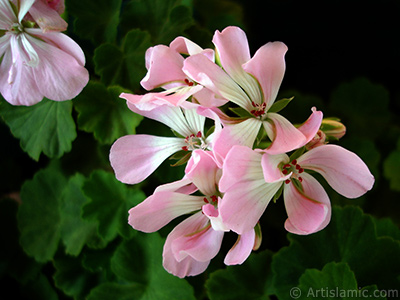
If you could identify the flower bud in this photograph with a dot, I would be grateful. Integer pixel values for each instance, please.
(258, 238)
(333, 129)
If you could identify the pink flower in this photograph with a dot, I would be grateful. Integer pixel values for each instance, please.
(38, 63)
(252, 83)
(135, 157)
(195, 241)
(164, 69)
(252, 178)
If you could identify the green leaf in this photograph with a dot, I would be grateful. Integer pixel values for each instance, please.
(351, 238)
(96, 20)
(39, 214)
(164, 19)
(391, 168)
(334, 281)
(362, 106)
(109, 205)
(280, 104)
(125, 65)
(138, 265)
(75, 231)
(46, 127)
(251, 280)
(103, 113)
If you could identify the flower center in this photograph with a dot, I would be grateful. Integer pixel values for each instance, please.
(259, 109)
(194, 141)
(211, 199)
(16, 28)
(295, 168)
(188, 82)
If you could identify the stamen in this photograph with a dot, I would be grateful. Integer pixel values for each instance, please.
(185, 148)
(214, 198)
(300, 179)
(301, 170)
(285, 172)
(206, 200)
(287, 181)
(294, 162)
(259, 109)
(198, 134)
(189, 83)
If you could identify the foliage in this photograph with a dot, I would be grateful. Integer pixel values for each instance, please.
(64, 223)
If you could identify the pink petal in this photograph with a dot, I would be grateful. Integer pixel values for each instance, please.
(213, 215)
(47, 18)
(243, 134)
(197, 239)
(345, 172)
(164, 65)
(242, 249)
(61, 41)
(187, 266)
(183, 186)
(7, 15)
(135, 157)
(308, 211)
(203, 171)
(310, 127)
(24, 7)
(160, 208)
(205, 72)
(268, 67)
(285, 137)
(271, 170)
(17, 84)
(185, 46)
(59, 75)
(246, 192)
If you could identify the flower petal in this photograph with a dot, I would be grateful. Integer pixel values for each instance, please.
(213, 215)
(47, 18)
(24, 7)
(345, 172)
(310, 127)
(160, 208)
(243, 134)
(285, 137)
(163, 65)
(59, 75)
(196, 239)
(187, 266)
(233, 51)
(246, 192)
(242, 249)
(205, 72)
(203, 171)
(7, 15)
(268, 66)
(308, 211)
(135, 157)
(270, 165)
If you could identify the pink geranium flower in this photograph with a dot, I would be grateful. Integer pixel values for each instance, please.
(251, 178)
(135, 157)
(37, 62)
(252, 83)
(195, 241)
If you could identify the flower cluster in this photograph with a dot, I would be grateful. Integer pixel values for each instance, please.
(37, 60)
(250, 156)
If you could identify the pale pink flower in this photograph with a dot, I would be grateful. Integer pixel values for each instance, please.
(195, 241)
(135, 157)
(251, 178)
(252, 83)
(164, 69)
(37, 62)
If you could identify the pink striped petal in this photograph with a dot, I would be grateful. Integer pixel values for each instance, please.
(210, 75)
(242, 249)
(135, 157)
(308, 211)
(243, 134)
(285, 137)
(197, 239)
(24, 7)
(160, 208)
(7, 15)
(246, 192)
(203, 171)
(187, 266)
(310, 127)
(163, 65)
(268, 66)
(345, 172)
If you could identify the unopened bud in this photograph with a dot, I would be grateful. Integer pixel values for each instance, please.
(258, 238)
(333, 129)
(318, 140)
